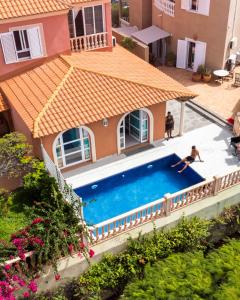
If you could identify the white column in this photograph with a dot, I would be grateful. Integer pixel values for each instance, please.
(181, 126)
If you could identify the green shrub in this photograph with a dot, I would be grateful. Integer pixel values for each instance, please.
(128, 43)
(191, 276)
(5, 202)
(115, 271)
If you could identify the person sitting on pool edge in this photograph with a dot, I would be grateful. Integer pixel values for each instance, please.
(189, 159)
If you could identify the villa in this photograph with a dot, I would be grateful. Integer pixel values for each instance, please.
(66, 87)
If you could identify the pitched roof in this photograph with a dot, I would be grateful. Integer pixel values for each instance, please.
(87, 87)
(21, 8)
(3, 104)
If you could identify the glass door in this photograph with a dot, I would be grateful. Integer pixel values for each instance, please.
(144, 126)
(122, 135)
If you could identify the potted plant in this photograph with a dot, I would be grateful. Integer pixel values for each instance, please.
(197, 76)
(128, 43)
(207, 75)
(170, 59)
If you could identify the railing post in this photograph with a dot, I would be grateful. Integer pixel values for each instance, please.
(216, 186)
(168, 200)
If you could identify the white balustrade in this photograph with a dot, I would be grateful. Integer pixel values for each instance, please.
(167, 6)
(89, 42)
(163, 207)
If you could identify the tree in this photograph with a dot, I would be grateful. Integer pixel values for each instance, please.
(15, 155)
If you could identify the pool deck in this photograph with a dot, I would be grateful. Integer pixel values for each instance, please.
(211, 140)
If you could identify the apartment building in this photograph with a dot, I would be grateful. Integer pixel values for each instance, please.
(197, 31)
(65, 87)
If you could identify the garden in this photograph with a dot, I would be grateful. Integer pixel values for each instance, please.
(197, 259)
(37, 224)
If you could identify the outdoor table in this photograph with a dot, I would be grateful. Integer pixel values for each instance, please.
(221, 74)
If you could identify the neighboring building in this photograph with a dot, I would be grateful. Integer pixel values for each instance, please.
(197, 31)
(85, 105)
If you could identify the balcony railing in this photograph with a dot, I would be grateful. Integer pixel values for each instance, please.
(167, 6)
(89, 42)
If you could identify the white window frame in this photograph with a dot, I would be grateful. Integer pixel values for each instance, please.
(82, 151)
(41, 40)
(187, 4)
(75, 12)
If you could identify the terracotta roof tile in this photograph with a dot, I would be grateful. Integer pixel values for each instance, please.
(3, 104)
(20, 8)
(74, 90)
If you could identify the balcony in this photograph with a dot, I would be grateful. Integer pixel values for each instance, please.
(89, 42)
(167, 6)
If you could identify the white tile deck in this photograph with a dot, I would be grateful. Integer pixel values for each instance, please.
(212, 141)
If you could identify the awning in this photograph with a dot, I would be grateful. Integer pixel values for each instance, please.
(150, 35)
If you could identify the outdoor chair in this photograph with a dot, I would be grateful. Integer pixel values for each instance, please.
(237, 80)
(233, 143)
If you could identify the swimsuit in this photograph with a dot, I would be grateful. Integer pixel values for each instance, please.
(190, 159)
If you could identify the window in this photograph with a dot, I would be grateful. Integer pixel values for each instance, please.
(199, 6)
(93, 17)
(72, 147)
(194, 5)
(21, 44)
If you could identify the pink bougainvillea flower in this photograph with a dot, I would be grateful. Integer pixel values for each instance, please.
(37, 220)
(7, 267)
(82, 245)
(22, 256)
(21, 282)
(57, 277)
(26, 295)
(33, 286)
(37, 241)
(70, 248)
(91, 253)
(80, 254)
(15, 278)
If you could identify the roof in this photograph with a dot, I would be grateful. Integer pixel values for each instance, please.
(150, 34)
(84, 88)
(3, 104)
(21, 8)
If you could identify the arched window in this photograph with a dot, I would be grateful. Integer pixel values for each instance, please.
(73, 146)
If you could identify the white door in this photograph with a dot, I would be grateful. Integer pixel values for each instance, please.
(122, 135)
(200, 55)
(182, 50)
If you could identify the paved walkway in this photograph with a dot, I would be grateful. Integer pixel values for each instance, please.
(222, 99)
(211, 140)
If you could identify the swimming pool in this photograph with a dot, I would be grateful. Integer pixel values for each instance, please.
(120, 193)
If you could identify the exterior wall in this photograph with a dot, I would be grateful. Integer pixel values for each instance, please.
(108, 18)
(140, 13)
(106, 137)
(56, 40)
(140, 50)
(233, 28)
(210, 29)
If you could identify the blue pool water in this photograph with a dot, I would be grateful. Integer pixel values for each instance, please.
(133, 188)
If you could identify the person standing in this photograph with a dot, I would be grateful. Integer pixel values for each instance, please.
(169, 125)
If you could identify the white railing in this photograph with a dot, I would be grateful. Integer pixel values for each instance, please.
(54, 171)
(129, 220)
(167, 6)
(163, 207)
(89, 42)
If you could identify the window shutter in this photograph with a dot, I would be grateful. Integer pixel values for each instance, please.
(200, 55)
(204, 7)
(185, 4)
(182, 54)
(34, 40)
(8, 46)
